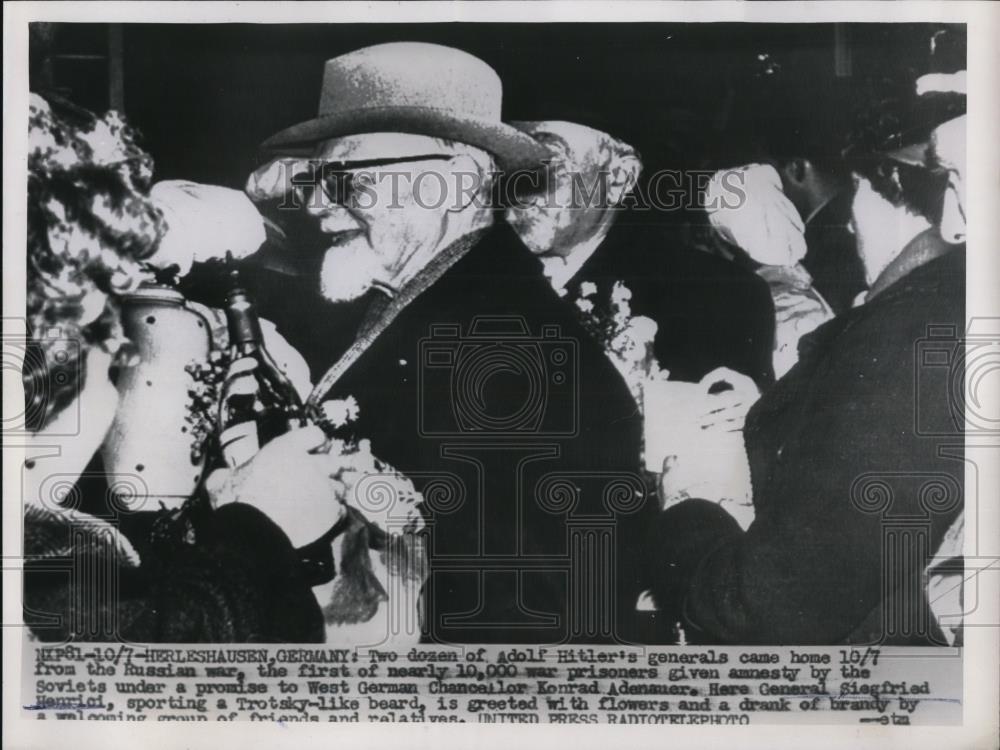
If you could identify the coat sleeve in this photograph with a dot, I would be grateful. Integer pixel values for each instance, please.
(239, 583)
(814, 563)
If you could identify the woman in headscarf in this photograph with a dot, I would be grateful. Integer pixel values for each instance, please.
(186, 574)
(767, 228)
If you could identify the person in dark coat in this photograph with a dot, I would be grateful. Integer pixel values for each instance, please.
(709, 312)
(507, 547)
(471, 376)
(856, 455)
(815, 179)
(800, 124)
(831, 250)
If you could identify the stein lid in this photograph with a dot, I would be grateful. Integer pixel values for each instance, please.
(150, 291)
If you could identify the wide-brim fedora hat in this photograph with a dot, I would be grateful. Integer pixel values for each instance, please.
(418, 88)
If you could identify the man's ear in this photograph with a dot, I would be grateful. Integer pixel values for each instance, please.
(624, 175)
(466, 182)
(795, 170)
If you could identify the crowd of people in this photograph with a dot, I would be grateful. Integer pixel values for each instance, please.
(504, 327)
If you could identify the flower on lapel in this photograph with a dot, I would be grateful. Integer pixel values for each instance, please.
(340, 412)
(627, 339)
(584, 303)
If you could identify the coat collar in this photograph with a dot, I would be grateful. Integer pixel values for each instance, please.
(620, 238)
(922, 249)
(887, 287)
(385, 309)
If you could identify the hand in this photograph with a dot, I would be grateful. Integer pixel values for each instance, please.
(714, 468)
(204, 222)
(294, 487)
(727, 409)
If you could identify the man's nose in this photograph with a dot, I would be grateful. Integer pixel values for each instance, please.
(953, 216)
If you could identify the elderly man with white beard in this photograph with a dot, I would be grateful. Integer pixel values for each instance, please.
(471, 376)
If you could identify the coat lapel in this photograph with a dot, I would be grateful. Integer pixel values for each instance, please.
(384, 311)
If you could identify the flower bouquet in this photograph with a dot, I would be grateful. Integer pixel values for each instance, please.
(348, 507)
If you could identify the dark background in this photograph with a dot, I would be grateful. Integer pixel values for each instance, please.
(687, 95)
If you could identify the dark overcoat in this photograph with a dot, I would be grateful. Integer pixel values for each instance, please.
(856, 458)
(486, 390)
(709, 312)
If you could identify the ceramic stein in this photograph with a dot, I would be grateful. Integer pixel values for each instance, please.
(156, 443)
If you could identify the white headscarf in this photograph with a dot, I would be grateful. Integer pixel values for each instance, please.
(748, 208)
(204, 222)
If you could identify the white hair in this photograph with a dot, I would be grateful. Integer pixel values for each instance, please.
(486, 166)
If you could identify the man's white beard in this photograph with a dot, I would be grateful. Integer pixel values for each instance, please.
(348, 272)
(533, 229)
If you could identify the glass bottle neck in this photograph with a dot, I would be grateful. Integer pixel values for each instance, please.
(244, 327)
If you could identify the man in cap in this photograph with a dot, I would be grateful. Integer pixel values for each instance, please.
(861, 433)
(470, 374)
(709, 313)
(804, 145)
